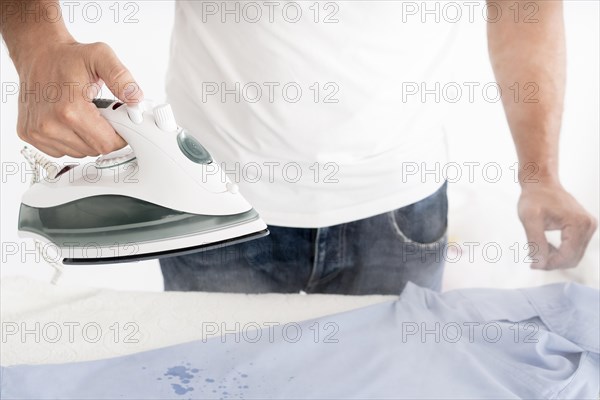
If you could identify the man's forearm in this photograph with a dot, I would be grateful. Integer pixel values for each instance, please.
(25, 23)
(528, 59)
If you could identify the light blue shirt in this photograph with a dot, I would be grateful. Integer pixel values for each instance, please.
(476, 343)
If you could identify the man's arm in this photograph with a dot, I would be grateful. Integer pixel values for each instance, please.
(528, 59)
(58, 79)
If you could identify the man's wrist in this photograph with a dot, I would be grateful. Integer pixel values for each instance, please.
(533, 174)
(27, 36)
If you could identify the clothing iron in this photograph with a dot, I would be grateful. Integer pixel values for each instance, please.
(163, 195)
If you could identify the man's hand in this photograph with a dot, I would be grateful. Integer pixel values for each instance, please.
(58, 80)
(547, 207)
(531, 54)
(74, 74)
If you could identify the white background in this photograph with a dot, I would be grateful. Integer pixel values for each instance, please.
(480, 212)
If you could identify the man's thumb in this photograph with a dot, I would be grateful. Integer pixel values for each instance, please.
(115, 75)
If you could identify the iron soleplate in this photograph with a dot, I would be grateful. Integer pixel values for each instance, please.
(165, 253)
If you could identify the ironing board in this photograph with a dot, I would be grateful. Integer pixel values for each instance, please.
(138, 320)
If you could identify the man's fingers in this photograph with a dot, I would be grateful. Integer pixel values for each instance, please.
(59, 139)
(49, 150)
(77, 144)
(117, 78)
(70, 141)
(549, 207)
(573, 241)
(539, 246)
(57, 150)
(97, 132)
(73, 126)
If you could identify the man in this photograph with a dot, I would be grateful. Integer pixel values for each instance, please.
(310, 96)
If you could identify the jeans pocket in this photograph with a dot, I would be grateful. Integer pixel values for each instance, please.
(423, 223)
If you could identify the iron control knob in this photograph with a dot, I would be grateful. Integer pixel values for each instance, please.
(136, 113)
(163, 115)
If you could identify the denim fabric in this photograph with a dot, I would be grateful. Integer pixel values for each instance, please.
(376, 255)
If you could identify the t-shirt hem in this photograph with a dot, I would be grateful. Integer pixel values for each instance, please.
(357, 212)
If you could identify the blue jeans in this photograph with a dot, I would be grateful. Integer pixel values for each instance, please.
(375, 255)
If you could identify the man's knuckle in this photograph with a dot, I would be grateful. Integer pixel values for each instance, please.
(530, 214)
(115, 145)
(99, 47)
(104, 147)
(117, 72)
(591, 224)
(585, 222)
(76, 154)
(67, 115)
(54, 153)
(22, 133)
(46, 127)
(33, 135)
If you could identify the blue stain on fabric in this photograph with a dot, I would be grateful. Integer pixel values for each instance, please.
(179, 371)
(210, 380)
(183, 374)
(180, 389)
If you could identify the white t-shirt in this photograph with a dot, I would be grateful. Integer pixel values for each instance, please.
(323, 112)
